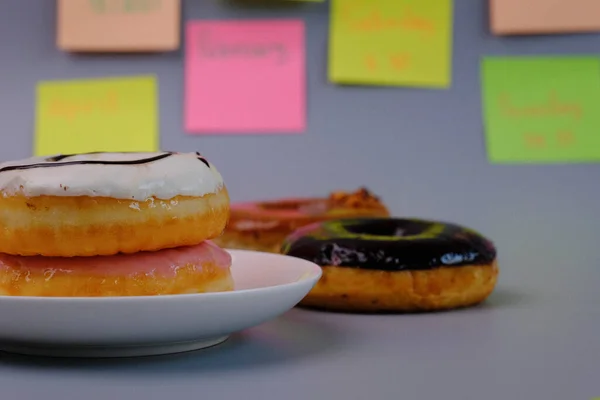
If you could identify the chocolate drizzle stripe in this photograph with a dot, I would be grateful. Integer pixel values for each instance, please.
(86, 162)
(63, 156)
(204, 160)
(53, 162)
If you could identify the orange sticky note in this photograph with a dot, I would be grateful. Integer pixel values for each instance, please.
(518, 17)
(118, 25)
(245, 77)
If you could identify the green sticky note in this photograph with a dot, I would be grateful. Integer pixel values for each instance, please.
(391, 42)
(106, 114)
(541, 109)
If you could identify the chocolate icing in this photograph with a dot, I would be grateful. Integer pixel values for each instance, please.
(389, 244)
(54, 161)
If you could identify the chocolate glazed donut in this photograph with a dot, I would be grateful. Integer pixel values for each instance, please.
(395, 265)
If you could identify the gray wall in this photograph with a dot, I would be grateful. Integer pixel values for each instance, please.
(421, 150)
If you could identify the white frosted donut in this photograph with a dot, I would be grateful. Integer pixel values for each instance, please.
(107, 203)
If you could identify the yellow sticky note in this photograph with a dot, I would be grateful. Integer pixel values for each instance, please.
(391, 42)
(106, 114)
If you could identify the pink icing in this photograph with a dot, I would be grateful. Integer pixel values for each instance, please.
(163, 262)
(287, 208)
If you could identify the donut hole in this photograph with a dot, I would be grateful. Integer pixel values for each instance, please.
(386, 227)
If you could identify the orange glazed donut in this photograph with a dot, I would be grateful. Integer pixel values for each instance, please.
(192, 269)
(263, 226)
(107, 203)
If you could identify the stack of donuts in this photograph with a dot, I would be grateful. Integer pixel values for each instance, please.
(112, 224)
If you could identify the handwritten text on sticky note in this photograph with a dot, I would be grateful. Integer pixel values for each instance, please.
(542, 109)
(108, 114)
(400, 42)
(245, 77)
(124, 6)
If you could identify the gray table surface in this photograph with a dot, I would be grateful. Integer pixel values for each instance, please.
(537, 339)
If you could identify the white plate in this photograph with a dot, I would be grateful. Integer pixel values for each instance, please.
(266, 286)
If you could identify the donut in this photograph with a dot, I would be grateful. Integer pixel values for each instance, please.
(96, 204)
(263, 225)
(183, 270)
(395, 265)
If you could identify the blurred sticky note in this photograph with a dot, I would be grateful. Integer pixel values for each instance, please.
(106, 114)
(391, 42)
(118, 25)
(245, 77)
(541, 109)
(520, 17)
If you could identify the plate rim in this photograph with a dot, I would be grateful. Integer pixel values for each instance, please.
(314, 274)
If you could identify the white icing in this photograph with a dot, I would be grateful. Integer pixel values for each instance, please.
(180, 174)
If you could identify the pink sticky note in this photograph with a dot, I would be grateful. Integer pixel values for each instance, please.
(245, 77)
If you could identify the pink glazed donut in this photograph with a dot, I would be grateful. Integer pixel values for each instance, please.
(194, 269)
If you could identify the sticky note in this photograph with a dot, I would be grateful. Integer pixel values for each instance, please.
(391, 42)
(245, 77)
(515, 17)
(541, 109)
(107, 114)
(118, 25)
